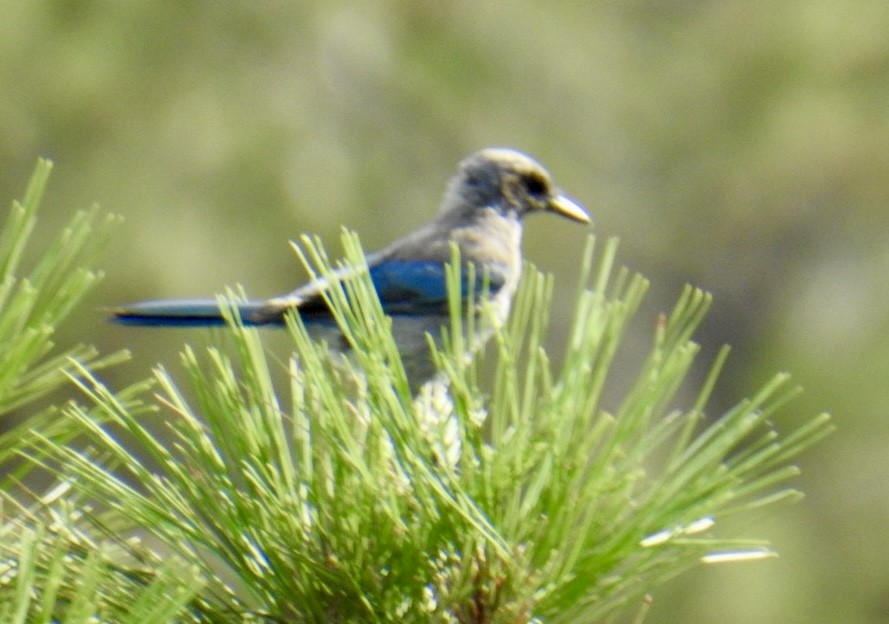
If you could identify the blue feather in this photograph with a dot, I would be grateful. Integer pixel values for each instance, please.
(418, 286)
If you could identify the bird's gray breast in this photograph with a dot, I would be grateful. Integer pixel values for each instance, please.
(493, 244)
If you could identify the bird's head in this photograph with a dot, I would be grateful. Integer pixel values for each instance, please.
(510, 181)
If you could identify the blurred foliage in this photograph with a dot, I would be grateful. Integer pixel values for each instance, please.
(741, 146)
(33, 302)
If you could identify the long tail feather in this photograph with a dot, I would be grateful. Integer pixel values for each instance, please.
(191, 313)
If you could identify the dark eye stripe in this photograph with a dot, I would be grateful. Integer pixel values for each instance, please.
(534, 185)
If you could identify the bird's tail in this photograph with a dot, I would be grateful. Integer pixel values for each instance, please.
(192, 313)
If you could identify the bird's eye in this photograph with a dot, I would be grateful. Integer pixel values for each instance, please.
(534, 185)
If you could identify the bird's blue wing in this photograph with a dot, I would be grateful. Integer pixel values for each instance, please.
(420, 286)
(404, 287)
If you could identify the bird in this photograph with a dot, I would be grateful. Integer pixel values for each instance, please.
(481, 213)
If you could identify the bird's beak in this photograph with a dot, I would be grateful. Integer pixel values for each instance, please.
(567, 207)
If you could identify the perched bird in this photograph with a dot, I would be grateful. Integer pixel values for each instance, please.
(482, 212)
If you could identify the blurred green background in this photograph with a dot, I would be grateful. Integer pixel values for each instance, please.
(739, 146)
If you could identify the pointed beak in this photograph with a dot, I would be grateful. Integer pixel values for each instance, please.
(568, 208)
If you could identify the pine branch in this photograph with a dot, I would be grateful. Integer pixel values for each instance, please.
(338, 496)
(351, 501)
(32, 305)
